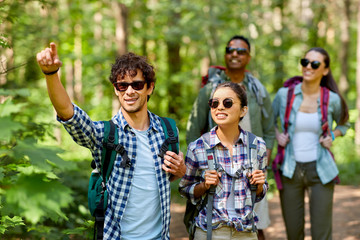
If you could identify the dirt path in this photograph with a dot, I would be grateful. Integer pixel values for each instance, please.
(346, 217)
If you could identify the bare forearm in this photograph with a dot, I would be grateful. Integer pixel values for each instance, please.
(49, 63)
(59, 97)
(337, 133)
(200, 190)
(259, 190)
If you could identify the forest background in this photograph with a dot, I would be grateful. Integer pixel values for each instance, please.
(44, 174)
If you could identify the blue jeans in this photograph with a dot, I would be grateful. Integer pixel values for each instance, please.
(292, 198)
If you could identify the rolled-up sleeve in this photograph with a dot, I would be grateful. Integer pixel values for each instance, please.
(83, 130)
(336, 113)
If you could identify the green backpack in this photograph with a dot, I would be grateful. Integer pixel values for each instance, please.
(97, 192)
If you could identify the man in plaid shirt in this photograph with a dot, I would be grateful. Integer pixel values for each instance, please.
(139, 194)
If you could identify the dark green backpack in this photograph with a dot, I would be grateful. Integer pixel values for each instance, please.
(97, 192)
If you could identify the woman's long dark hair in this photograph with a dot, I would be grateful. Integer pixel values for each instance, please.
(329, 82)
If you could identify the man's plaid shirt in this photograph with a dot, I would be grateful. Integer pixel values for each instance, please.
(196, 164)
(90, 134)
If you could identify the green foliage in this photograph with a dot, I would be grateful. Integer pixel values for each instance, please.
(347, 159)
(35, 196)
(11, 127)
(42, 157)
(8, 222)
(31, 192)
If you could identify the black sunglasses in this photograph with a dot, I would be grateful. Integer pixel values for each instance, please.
(240, 51)
(314, 64)
(123, 86)
(227, 102)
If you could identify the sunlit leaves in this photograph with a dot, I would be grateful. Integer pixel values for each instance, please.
(37, 196)
(44, 157)
(7, 127)
(7, 222)
(8, 107)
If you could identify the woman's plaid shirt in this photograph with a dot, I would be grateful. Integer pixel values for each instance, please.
(196, 163)
(90, 134)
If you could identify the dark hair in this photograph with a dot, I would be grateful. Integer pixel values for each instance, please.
(240, 37)
(329, 82)
(239, 91)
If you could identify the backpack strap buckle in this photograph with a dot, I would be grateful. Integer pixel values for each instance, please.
(172, 139)
(164, 148)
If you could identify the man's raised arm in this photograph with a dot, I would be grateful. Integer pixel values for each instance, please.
(50, 63)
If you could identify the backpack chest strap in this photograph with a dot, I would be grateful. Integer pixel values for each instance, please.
(120, 150)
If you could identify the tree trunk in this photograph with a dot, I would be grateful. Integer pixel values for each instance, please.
(69, 76)
(278, 9)
(120, 14)
(213, 41)
(174, 59)
(78, 64)
(344, 49)
(98, 34)
(357, 124)
(6, 54)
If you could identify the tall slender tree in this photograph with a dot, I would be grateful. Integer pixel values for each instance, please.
(357, 124)
(345, 46)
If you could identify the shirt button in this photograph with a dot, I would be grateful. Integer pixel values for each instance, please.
(133, 156)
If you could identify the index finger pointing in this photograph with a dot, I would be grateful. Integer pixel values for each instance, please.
(53, 48)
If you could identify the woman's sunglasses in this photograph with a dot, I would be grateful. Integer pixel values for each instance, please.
(314, 64)
(240, 51)
(123, 86)
(227, 102)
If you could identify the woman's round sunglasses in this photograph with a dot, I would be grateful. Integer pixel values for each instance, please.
(227, 102)
(314, 64)
(123, 86)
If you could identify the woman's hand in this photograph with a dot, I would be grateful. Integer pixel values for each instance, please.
(212, 177)
(326, 142)
(257, 177)
(282, 138)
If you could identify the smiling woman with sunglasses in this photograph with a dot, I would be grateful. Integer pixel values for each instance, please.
(232, 214)
(308, 165)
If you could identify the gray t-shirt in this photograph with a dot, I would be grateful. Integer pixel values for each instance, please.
(142, 216)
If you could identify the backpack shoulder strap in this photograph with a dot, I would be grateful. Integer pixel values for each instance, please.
(324, 104)
(289, 103)
(111, 147)
(171, 136)
(210, 153)
(214, 76)
(108, 155)
(251, 146)
(211, 159)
